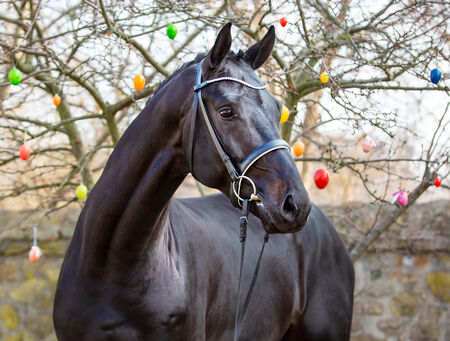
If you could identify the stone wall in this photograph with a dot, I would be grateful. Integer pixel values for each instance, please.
(402, 284)
(27, 289)
(402, 297)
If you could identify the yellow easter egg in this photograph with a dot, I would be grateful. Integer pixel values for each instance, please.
(284, 114)
(324, 77)
(81, 192)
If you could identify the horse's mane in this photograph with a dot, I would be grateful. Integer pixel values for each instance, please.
(197, 59)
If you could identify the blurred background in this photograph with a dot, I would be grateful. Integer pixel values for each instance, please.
(350, 73)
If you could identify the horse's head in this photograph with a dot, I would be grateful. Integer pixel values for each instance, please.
(245, 118)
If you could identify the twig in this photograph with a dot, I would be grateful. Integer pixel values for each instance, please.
(376, 232)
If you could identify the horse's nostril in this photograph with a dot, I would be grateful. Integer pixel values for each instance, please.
(289, 208)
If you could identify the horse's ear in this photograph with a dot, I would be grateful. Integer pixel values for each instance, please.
(258, 53)
(221, 47)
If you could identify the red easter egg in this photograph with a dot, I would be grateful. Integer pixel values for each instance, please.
(24, 152)
(437, 181)
(321, 178)
(34, 254)
(283, 21)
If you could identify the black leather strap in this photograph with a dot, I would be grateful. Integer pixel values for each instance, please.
(250, 290)
(211, 128)
(243, 236)
(240, 318)
(191, 135)
(258, 152)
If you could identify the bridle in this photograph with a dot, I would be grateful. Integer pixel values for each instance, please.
(237, 175)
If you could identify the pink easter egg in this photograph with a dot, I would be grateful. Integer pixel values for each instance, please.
(367, 144)
(401, 197)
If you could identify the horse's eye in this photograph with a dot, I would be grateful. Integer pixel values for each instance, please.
(226, 113)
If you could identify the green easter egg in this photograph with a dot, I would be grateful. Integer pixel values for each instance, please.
(171, 31)
(14, 76)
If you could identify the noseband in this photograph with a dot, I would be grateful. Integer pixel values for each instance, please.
(237, 174)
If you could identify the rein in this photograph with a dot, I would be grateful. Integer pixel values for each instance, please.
(237, 174)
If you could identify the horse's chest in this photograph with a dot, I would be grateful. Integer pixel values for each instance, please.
(160, 306)
(153, 309)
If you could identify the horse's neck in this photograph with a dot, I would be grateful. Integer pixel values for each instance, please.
(124, 214)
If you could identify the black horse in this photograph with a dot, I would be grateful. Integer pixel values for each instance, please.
(144, 266)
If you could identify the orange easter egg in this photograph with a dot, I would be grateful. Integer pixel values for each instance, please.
(139, 82)
(299, 148)
(34, 254)
(56, 100)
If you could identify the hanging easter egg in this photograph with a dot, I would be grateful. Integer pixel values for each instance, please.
(171, 31)
(24, 151)
(283, 21)
(435, 76)
(56, 100)
(34, 254)
(139, 82)
(284, 114)
(367, 144)
(321, 178)
(324, 77)
(437, 181)
(14, 76)
(298, 148)
(401, 197)
(81, 192)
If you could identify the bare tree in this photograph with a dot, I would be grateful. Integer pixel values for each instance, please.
(88, 51)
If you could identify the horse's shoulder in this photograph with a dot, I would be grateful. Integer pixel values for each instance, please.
(321, 235)
(319, 223)
(323, 240)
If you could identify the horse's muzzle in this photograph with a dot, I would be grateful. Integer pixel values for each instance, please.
(289, 218)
